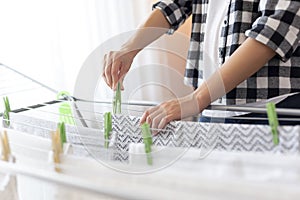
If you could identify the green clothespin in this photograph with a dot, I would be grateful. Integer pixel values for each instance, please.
(65, 110)
(107, 128)
(147, 137)
(273, 121)
(117, 100)
(62, 132)
(7, 110)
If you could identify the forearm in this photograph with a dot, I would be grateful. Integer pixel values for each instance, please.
(154, 27)
(247, 59)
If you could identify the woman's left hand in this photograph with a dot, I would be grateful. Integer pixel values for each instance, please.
(159, 116)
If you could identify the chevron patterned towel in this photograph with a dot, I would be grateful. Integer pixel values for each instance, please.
(183, 134)
(208, 136)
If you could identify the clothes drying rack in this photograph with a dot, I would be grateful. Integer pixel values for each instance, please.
(35, 116)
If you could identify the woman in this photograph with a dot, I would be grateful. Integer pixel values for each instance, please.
(252, 45)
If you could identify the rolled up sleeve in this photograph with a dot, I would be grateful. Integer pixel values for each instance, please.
(278, 26)
(176, 12)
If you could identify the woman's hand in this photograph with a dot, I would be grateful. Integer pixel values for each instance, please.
(244, 62)
(116, 65)
(159, 116)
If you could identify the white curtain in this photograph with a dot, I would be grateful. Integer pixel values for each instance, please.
(50, 39)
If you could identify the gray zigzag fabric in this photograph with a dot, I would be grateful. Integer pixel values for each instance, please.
(227, 137)
(205, 136)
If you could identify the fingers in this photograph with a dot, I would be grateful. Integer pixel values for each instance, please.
(106, 74)
(158, 117)
(156, 127)
(163, 122)
(103, 69)
(122, 81)
(148, 117)
(145, 117)
(115, 66)
(111, 68)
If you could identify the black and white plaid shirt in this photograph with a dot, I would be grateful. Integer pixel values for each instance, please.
(275, 23)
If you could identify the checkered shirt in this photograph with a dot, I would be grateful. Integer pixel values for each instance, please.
(275, 23)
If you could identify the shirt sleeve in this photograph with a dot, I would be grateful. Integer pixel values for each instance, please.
(278, 26)
(175, 11)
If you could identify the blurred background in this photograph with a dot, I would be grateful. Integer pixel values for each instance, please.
(50, 40)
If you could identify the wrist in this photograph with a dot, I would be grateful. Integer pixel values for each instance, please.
(131, 49)
(189, 106)
(202, 97)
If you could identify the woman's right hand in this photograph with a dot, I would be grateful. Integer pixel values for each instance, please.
(115, 66)
(118, 63)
